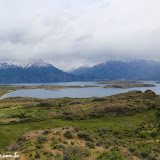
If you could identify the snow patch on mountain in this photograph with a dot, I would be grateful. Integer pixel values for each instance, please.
(38, 63)
(34, 63)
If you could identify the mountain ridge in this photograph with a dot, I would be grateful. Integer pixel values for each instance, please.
(34, 72)
(112, 70)
(40, 71)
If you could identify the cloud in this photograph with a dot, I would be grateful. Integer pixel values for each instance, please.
(70, 33)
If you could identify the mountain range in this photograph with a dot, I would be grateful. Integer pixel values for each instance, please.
(34, 72)
(112, 70)
(40, 71)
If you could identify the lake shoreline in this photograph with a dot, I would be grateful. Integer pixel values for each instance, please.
(73, 90)
(3, 96)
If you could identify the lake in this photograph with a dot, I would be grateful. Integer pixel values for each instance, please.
(76, 92)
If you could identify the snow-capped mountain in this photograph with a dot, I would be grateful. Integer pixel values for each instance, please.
(5, 65)
(37, 71)
(79, 70)
(135, 69)
(34, 63)
(38, 63)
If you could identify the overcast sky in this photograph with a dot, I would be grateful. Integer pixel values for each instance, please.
(70, 33)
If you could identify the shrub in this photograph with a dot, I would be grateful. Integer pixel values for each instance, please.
(132, 149)
(143, 134)
(54, 145)
(68, 134)
(59, 139)
(14, 147)
(41, 139)
(158, 114)
(72, 143)
(58, 157)
(46, 131)
(75, 153)
(58, 133)
(76, 129)
(154, 132)
(85, 136)
(21, 114)
(37, 155)
(30, 155)
(39, 146)
(145, 154)
(110, 155)
(90, 144)
(152, 158)
(60, 147)
(53, 139)
(21, 139)
(45, 152)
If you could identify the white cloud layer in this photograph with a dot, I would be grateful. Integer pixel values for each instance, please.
(70, 33)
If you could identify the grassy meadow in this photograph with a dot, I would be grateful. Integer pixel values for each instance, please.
(123, 126)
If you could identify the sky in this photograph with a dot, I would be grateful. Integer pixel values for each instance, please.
(71, 33)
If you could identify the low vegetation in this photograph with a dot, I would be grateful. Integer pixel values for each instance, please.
(119, 127)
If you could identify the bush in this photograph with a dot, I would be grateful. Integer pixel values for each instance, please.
(37, 155)
(72, 143)
(58, 157)
(59, 139)
(60, 147)
(145, 154)
(75, 153)
(158, 114)
(45, 152)
(30, 155)
(53, 139)
(68, 135)
(132, 149)
(14, 147)
(21, 114)
(76, 129)
(154, 132)
(41, 139)
(90, 145)
(143, 134)
(39, 146)
(46, 131)
(85, 136)
(54, 145)
(110, 155)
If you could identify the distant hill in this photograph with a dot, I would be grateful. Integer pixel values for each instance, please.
(34, 72)
(112, 70)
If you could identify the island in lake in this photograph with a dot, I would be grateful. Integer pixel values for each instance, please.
(118, 82)
(124, 86)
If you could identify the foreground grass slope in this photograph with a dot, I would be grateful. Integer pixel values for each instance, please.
(123, 126)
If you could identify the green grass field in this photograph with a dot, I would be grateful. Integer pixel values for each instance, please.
(9, 133)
